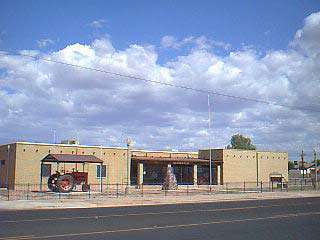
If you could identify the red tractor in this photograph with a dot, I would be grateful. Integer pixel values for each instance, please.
(65, 183)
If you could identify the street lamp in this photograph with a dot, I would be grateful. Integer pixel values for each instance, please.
(128, 165)
(209, 131)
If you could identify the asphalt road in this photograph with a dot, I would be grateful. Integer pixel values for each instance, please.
(263, 219)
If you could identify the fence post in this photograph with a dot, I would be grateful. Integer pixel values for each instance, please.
(227, 187)
(271, 186)
(187, 189)
(301, 185)
(142, 189)
(117, 190)
(28, 191)
(244, 186)
(8, 192)
(261, 186)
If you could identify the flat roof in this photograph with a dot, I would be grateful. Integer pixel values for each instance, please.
(233, 149)
(135, 150)
(96, 146)
(66, 145)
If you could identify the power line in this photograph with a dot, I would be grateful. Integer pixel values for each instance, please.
(211, 92)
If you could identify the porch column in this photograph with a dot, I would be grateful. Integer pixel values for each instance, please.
(101, 164)
(41, 167)
(195, 174)
(218, 174)
(140, 174)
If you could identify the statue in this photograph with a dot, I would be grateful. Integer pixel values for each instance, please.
(170, 181)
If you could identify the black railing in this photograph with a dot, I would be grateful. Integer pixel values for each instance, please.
(36, 192)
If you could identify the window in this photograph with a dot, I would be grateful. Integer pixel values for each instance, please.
(104, 171)
(2, 163)
(46, 170)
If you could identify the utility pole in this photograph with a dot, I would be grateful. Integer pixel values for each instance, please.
(315, 168)
(128, 166)
(54, 136)
(209, 133)
(302, 163)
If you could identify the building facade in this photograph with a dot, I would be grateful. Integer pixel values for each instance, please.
(22, 163)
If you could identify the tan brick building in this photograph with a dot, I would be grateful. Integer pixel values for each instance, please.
(145, 167)
(247, 165)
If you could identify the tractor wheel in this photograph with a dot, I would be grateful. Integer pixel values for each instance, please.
(52, 183)
(65, 183)
(85, 187)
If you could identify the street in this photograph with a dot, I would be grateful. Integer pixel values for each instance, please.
(256, 219)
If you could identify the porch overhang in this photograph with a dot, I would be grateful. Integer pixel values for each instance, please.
(71, 158)
(173, 160)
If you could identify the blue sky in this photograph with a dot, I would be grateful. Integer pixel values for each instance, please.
(259, 49)
(263, 24)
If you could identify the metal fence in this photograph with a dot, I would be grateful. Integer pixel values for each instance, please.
(36, 192)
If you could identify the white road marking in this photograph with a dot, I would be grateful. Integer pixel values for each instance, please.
(18, 237)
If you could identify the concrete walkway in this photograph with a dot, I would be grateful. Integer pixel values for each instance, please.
(148, 200)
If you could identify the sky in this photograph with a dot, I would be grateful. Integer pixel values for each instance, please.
(267, 50)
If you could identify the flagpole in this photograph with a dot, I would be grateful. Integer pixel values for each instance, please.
(209, 134)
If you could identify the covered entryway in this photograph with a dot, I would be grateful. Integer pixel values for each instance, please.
(151, 170)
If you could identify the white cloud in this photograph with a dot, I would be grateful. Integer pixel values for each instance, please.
(100, 23)
(201, 42)
(169, 42)
(45, 42)
(37, 96)
(307, 38)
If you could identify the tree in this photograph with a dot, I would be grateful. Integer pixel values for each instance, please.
(318, 162)
(290, 165)
(241, 142)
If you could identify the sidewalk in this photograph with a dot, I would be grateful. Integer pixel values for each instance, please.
(148, 200)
